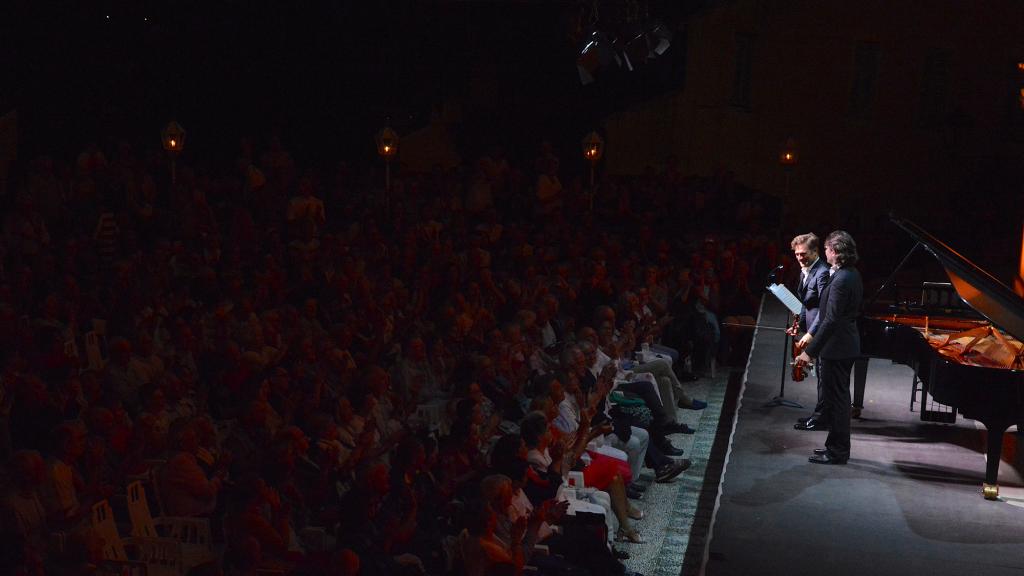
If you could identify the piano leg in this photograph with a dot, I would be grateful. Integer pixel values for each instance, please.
(995, 431)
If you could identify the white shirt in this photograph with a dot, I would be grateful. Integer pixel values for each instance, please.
(805, 271)
(547, 333)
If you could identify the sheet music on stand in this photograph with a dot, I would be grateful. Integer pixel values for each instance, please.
(786, 297)
(793, 304)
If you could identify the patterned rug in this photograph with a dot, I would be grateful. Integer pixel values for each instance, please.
(673, 516)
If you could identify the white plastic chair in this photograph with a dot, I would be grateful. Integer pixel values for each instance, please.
(93, 354)
(111, 568)
(193, 534)
(162, 556)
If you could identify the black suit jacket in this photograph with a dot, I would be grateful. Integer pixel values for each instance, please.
(836, 336)
(809, 293)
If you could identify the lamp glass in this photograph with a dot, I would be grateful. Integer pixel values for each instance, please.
(789, 156)
(593, 147)
(173, 137)
(387, 143)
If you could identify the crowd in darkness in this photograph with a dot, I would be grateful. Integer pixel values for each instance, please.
(344, 380)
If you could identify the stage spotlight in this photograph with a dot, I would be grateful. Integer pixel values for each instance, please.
(632, 44)
(639, 44)
(659, 39)
(597, 55)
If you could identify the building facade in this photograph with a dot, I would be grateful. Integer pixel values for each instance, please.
(903, 106)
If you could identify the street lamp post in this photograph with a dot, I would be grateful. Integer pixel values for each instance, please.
(593, 150)
(387, 147)
(173, 137)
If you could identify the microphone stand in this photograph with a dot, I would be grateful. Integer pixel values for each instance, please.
(781, 400)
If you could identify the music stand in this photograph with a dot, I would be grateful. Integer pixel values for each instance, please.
(781, 400)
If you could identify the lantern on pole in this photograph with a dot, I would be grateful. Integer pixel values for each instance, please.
(788, 158)
(387, 148)
(173, 138)
(593, 150)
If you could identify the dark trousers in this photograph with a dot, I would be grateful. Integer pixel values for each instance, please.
(835, 380)
(655, 458)
(659, 417)
(860, 377)
(645, 390)
(820, 413)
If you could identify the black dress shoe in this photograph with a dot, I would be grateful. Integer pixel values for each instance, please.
(820, 451)
(669, 450)
(826, 458)
(669, 471)
(811, 424)
(696, 405)
(677, 428)
(855, 412)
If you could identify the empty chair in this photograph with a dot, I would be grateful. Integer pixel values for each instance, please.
(193, 534)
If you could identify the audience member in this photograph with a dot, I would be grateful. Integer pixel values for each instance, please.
(287, 358)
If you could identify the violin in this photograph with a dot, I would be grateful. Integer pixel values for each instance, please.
(799, 368)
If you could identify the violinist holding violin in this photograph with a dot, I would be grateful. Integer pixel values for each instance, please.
(813, 279)
(835, 343)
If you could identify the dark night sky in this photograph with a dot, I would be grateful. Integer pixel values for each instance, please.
(325, 75)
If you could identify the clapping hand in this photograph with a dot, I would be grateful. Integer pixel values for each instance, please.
(557, 450)
(608, 371)
(585, 416)
(551, 511)
(519, 530)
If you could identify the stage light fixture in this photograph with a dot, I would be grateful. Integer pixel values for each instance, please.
(597, 55)
(659, 39)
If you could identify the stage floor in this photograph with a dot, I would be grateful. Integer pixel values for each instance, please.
(909, 502)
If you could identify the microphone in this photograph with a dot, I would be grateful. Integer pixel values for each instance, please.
(773, 275)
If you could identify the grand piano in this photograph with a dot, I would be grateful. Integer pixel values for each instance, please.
(967, 354)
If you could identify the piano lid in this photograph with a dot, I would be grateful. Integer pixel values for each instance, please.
(990, 297)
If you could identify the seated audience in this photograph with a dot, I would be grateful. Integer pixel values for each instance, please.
(400, 388)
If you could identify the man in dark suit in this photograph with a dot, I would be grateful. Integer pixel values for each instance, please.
(835, 343)
(813, 279)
